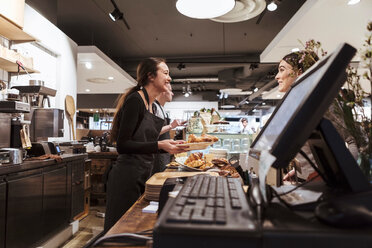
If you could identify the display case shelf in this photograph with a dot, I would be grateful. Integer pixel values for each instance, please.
(12, 32)
(10, 65)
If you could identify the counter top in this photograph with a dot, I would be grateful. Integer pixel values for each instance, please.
(103, 155)
(28, 165)
(134, 220)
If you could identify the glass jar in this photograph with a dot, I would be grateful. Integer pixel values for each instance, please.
(195, 125)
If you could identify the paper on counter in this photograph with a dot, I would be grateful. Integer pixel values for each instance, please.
(151, 208)
(299, 196)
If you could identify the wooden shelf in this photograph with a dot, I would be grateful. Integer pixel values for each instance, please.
(12, 32)
(11, 66)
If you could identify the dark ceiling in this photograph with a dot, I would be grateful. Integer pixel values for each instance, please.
(219, 55)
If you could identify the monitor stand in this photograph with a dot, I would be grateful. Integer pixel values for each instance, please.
(349, 201)
(337, 166)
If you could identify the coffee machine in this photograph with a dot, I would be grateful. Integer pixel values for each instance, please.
(45, 122)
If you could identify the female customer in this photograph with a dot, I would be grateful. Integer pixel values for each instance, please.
(136, 131)
(291, 67)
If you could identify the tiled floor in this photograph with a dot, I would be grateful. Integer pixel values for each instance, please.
(89, 228)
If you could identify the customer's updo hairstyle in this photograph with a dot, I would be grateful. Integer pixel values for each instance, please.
(301, 60)
(146, 68)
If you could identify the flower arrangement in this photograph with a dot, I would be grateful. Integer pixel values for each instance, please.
(349, 104)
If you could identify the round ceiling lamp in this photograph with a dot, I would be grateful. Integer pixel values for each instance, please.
(243, 10)
(204, 9)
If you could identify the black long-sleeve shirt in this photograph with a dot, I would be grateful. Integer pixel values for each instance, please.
(130, 116)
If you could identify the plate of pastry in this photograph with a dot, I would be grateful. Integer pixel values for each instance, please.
(198, 143)
(195, 146)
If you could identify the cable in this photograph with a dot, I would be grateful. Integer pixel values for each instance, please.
(145, 232)
(298, 186)
(310, 162)
(128, 238)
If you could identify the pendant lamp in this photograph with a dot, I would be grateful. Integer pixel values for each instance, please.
(204, 9)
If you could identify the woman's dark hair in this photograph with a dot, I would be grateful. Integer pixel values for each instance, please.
(301, 60)
(147, 67)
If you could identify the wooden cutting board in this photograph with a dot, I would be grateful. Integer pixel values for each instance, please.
(70, 110)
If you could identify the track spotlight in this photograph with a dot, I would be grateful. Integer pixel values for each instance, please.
(272, 6)
(181, 66)
(116, 15)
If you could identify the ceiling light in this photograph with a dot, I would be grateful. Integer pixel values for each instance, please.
(226, 95)
(242, 11)
(352, 2)
(263, 103)
(296, 49)
(204, 9)
(272, 6)
(181, 66)
(189, 89)
(221, 95)
(110, 78)
(255, 89)
(91, 110)
(187, 94)
(227, 106)
(96, 111)
(116, 15)
(88, 65)
(230, 90)
(278, 96)
(87, 90)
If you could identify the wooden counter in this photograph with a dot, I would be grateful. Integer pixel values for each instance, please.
(134, 221)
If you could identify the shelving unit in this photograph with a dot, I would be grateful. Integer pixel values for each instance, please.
(11, 66)
(12, 32)
(83, 119)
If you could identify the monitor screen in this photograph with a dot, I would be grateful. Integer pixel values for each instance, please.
(302, 108)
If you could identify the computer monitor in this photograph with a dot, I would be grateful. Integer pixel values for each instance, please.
(301, 110)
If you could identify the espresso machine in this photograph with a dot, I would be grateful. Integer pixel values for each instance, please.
(45, 121)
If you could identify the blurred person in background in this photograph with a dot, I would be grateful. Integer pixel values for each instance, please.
(161, 158)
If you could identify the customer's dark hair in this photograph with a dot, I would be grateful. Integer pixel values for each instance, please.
(301, 60)
(147, 67)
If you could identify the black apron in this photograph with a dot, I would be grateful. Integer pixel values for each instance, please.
(162, 159)
(127, 178)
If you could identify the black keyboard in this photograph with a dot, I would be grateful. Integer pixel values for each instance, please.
(208, 210)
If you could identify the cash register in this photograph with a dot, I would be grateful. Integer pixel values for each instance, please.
(214, 212)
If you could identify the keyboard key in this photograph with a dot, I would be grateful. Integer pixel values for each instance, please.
(190, 201)
(210, 202)
(234, 194)
(235, 203)
(220, 216)
(220, 202)
(181, 201)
